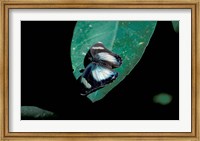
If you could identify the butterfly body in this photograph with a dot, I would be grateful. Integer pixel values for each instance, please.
(99, 63)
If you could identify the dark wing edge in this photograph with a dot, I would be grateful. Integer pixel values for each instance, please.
(90, 83)
(99, 48)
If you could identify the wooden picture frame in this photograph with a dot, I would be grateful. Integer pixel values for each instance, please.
(107, 136)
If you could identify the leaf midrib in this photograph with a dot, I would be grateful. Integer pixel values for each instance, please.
(112, 44)
(115, 34)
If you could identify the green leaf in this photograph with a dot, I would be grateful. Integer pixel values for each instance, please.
(33, 112)
(128, 39)
(175, 26)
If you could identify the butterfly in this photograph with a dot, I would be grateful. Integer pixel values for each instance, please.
(99, 63)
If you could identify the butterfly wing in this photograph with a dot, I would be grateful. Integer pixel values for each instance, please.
(99, 53)
(94, 77)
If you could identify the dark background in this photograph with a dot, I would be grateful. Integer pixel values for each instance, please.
(47, 80)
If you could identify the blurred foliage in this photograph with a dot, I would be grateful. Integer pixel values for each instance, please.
(33, 112)
(175, 26)
(162, 98)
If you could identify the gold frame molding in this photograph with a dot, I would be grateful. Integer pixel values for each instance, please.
(145, 4)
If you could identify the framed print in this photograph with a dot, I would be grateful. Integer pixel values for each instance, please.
(104, 70)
